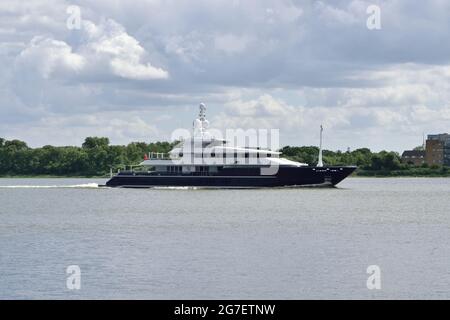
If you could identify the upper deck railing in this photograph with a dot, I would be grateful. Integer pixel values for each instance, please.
(158, 156)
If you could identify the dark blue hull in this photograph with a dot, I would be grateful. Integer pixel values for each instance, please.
(236, 177)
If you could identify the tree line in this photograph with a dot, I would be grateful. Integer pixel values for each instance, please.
(383, 163)
(96, 156)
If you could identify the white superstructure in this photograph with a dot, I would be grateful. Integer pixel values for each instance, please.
(204, 150)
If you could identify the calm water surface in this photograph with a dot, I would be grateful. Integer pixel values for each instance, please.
(214, 244)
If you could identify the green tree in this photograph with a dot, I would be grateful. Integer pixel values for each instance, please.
(307, 155)
(15, 145)
(95, 142)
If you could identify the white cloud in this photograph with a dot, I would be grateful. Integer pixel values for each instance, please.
(231, 44)
(124, 53)
(283, 64)
(353, 123)
(48, 56)
(334, 15)
(72, 129)
(106, 49)
(188, 48)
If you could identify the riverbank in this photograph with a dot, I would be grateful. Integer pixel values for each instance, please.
(409, 172)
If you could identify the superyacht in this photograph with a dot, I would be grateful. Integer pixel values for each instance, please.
(205, 161)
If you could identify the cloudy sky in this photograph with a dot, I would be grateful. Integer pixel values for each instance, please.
(137, 70)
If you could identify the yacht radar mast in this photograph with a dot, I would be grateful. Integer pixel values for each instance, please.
(201, 124)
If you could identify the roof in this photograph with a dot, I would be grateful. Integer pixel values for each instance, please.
(439, 136)
(413, 153)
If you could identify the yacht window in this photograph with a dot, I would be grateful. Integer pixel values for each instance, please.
(247, 155)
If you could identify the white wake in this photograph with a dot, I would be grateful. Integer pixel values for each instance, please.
(172, 188)
(81, 186)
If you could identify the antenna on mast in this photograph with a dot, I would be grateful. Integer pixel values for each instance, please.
(320, 162)
(201, 124)
(423, 140)
(201, 114)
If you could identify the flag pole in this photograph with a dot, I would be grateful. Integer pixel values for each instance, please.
(320, 162)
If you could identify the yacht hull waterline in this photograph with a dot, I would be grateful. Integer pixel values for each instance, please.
(237, 178)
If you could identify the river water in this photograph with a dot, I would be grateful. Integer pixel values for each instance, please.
(300, 243)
